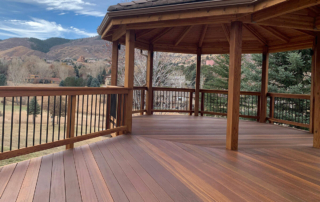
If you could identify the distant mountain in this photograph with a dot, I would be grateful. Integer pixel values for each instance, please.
(55, 48)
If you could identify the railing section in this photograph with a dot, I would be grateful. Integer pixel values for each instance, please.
(138, 105)
(35, 119)
(291, 109)
(173, 100)
(215, 102)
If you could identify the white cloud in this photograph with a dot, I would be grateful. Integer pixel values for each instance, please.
(78, 6)
(38, 28)
(62, 13)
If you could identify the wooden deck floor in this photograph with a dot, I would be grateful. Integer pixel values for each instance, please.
(174, 158)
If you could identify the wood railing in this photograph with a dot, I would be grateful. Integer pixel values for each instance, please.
(35, 119)
(287, 109)
(291, 109)
(215, 102)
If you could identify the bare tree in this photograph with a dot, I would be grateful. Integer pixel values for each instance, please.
(61, 71)
(17, 73)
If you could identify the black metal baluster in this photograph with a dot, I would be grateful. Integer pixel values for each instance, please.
(48, 112)
(87, 114)
(82, 113)
(99, 112)
(103, 104)
(40, 140)
(59, 118)
(34, 119)
(65, 116)
(95, 113)
(91, 113)
(54, 117)
(78, 100)
(11, 123)
(3, 122)
(27, 126)
(19, 132)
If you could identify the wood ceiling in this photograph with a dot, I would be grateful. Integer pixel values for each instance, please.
(280, 27)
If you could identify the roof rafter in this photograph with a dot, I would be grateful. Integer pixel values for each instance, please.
(118, 33)
(226, 31)
(182, 35)
(282, 8)
(276, 33)
(144, 33)
(160, 35)
(255, 32)
(203, 34)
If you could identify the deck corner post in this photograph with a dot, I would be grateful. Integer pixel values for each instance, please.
(316, 93)
(264, 85)
(129, 76)
(71, 116)
(234, 85)
(149, 100)
(197, 85)
(114, 63)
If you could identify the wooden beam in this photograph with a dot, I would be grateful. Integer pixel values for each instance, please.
(160, 35)
(144, 33)
(149, 98)
(114, 63)
(309, 33)
(226, 31)
(118, 33)
(182, 35)
(276, 33)
(234, 85)
(128, 78)
(264, 86)
(255, 33)
(282, 8)
(317, 23)
(197, 85)
(316, 93)
(203, 34)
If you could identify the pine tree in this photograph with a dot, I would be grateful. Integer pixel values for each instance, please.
(89, 79)
(34, 107)
(3, 80)
(95, 83)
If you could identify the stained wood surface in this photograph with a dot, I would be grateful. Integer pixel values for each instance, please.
(174, 158)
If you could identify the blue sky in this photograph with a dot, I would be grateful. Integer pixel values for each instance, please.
(43, 19)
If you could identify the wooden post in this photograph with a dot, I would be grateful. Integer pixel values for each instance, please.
(114, 63)
(71, 116)
(316, 94)
(108, 108)
(142, 102)
(119, 106)
(312, 94)
(149, 100)
(197, 86)
(128, 81)
(264, 85)
(234, 85)
(190, 102)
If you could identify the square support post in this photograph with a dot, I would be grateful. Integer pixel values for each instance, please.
(114, 63)
(197, 86)
(316, 94)
(234, 85)
(71, 116)
(312, 94)
(149, 101)
(264, 85)
(129, 73)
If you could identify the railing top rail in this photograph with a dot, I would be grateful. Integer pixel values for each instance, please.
(226, 92)
(51, 91)
(284, 95)
(140, 88)
(173, 89)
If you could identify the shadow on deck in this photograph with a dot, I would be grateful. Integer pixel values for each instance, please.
(174, 158)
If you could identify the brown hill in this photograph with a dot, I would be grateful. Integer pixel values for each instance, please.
(92, 47)
(20, 51)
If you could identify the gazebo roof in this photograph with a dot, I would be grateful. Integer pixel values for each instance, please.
(184, 25)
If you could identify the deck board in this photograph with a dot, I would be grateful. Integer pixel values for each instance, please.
(174, 158)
